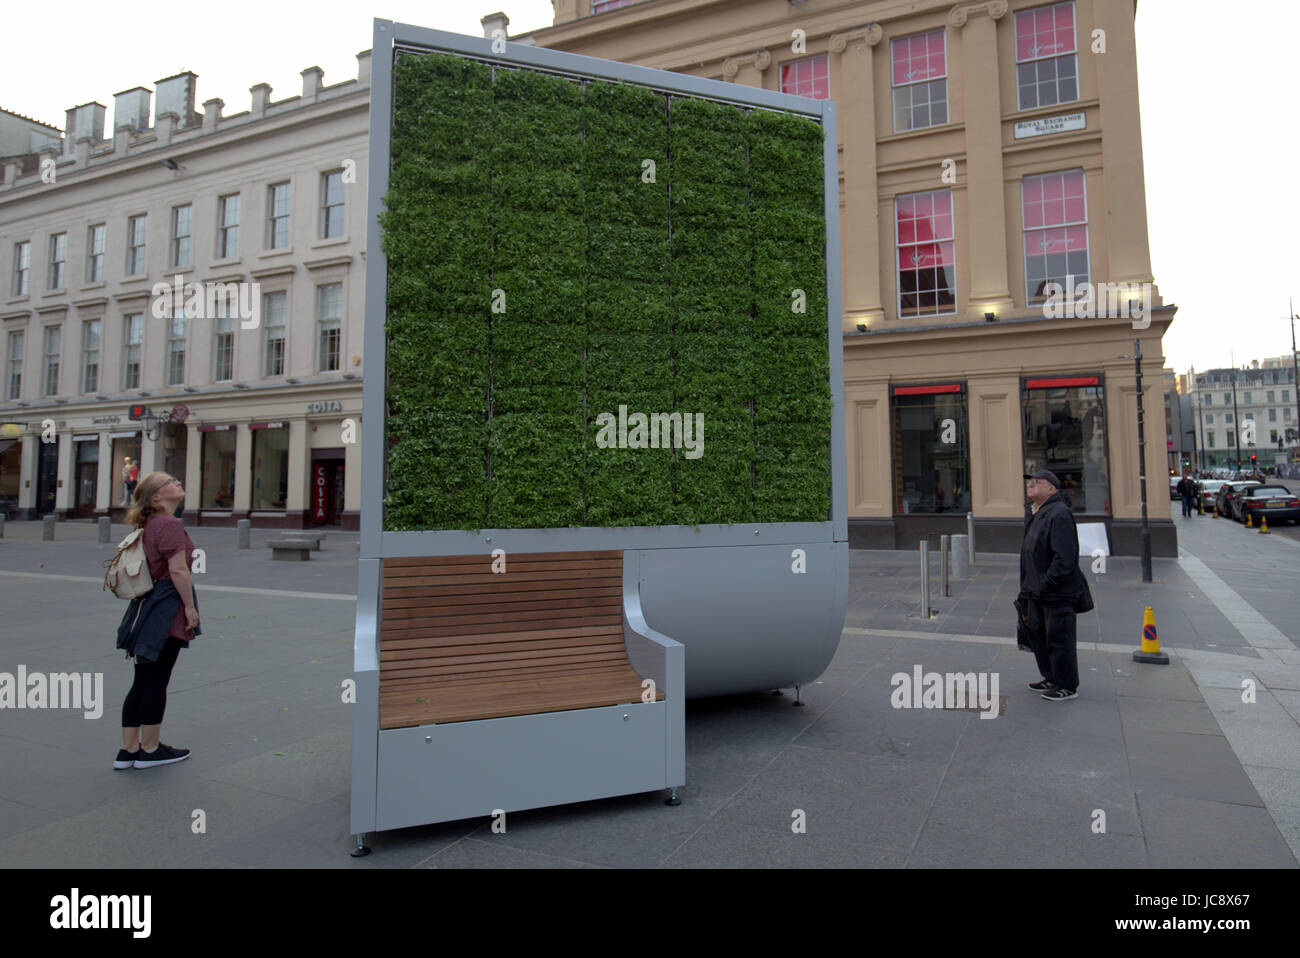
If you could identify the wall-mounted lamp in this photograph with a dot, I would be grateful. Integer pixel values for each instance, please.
(990, 317)
(862, 327)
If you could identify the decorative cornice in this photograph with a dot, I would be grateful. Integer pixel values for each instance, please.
(760, 60)
(996, 9)
(871, 33)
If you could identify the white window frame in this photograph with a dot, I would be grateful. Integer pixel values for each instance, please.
(15, 343)
(912, 85)
(898, 246)
(58, 275)
(137, 244)
(90, 352)
(274, 334)
(1043, 58)
(228, 231)
(327, 324)
(53, 334)
(180, 250)
(1031, 298)
(132, 347)
(326, 206)
(176, 335)
(223, 344)
(273, 219)
(96, 237)
(22, 268)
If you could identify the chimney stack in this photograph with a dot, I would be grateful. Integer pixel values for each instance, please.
(495, 21)
(175, 94)
(131, 109)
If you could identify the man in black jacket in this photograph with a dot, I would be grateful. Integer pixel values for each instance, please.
(1050, 586)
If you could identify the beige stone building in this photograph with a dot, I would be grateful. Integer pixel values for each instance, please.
(987, 149)
(252, 376)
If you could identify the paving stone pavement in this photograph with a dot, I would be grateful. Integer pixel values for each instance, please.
(1182, 772)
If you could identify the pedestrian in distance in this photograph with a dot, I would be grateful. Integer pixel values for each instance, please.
(158, 624)
(1187, 489)
(1053, 589)
(130, 476)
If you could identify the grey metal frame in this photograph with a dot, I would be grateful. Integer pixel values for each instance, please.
(751, 623)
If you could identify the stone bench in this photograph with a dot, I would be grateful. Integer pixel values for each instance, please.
(299, 548)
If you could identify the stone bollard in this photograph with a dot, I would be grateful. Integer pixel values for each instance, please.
(960, 557)
(245, 532)
(105, 529)
(47, 527)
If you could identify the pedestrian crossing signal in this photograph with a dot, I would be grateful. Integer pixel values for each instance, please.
(136, 413)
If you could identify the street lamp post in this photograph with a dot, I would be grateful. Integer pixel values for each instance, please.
(1142, 464)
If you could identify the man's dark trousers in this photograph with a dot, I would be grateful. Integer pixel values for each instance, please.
(1051, 628)
(1187, 506)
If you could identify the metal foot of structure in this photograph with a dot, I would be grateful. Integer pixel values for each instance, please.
(798, 700)
(672, 798)
(777, 692)
(361, 851)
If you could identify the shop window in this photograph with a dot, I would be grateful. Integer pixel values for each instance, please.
(1065, 431)
(218, 457)
(931, 455)
(126, 457)
(270, 468)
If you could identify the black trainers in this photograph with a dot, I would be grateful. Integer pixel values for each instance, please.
(162, 755)
(125, 759)
(1043, 686)
(1059, 695)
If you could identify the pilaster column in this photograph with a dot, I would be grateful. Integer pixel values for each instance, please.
(860, 225)
(352, 471)
(63, 499)
(193, 466)
(243, 468)
(104, 476)
(298, 480)
(27, 472)
(1127, 247)
(985, 207)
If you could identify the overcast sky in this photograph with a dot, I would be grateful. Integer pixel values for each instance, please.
(1219, 127)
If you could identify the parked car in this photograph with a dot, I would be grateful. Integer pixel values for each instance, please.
(1173, 487)
(1227, 495)
(1275, 502)
(1208, 488)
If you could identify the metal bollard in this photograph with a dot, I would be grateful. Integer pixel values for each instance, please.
(925, 579)
(47, 524)
(245, 532)
(960, 557)
(970, 539)
(943, 566)
(105, 529)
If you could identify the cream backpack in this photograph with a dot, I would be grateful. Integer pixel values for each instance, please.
(128, 572)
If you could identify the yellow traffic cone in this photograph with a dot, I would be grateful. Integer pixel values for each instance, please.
(1249, 524)
(1150, 651)
(1216, 510)
(1263, 524)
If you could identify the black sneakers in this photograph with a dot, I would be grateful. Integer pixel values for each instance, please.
(162, 755)
(125, 759)
(1043, 686)
(1057, 695)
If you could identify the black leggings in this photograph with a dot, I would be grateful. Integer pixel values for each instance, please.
(147, 699)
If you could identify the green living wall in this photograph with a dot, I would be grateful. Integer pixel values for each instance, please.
(542, 273)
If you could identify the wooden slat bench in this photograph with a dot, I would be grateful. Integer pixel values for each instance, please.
(459, 642)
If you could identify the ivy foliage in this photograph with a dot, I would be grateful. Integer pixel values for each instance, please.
(562, 251)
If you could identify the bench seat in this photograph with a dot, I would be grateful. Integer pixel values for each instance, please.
(459, 642)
